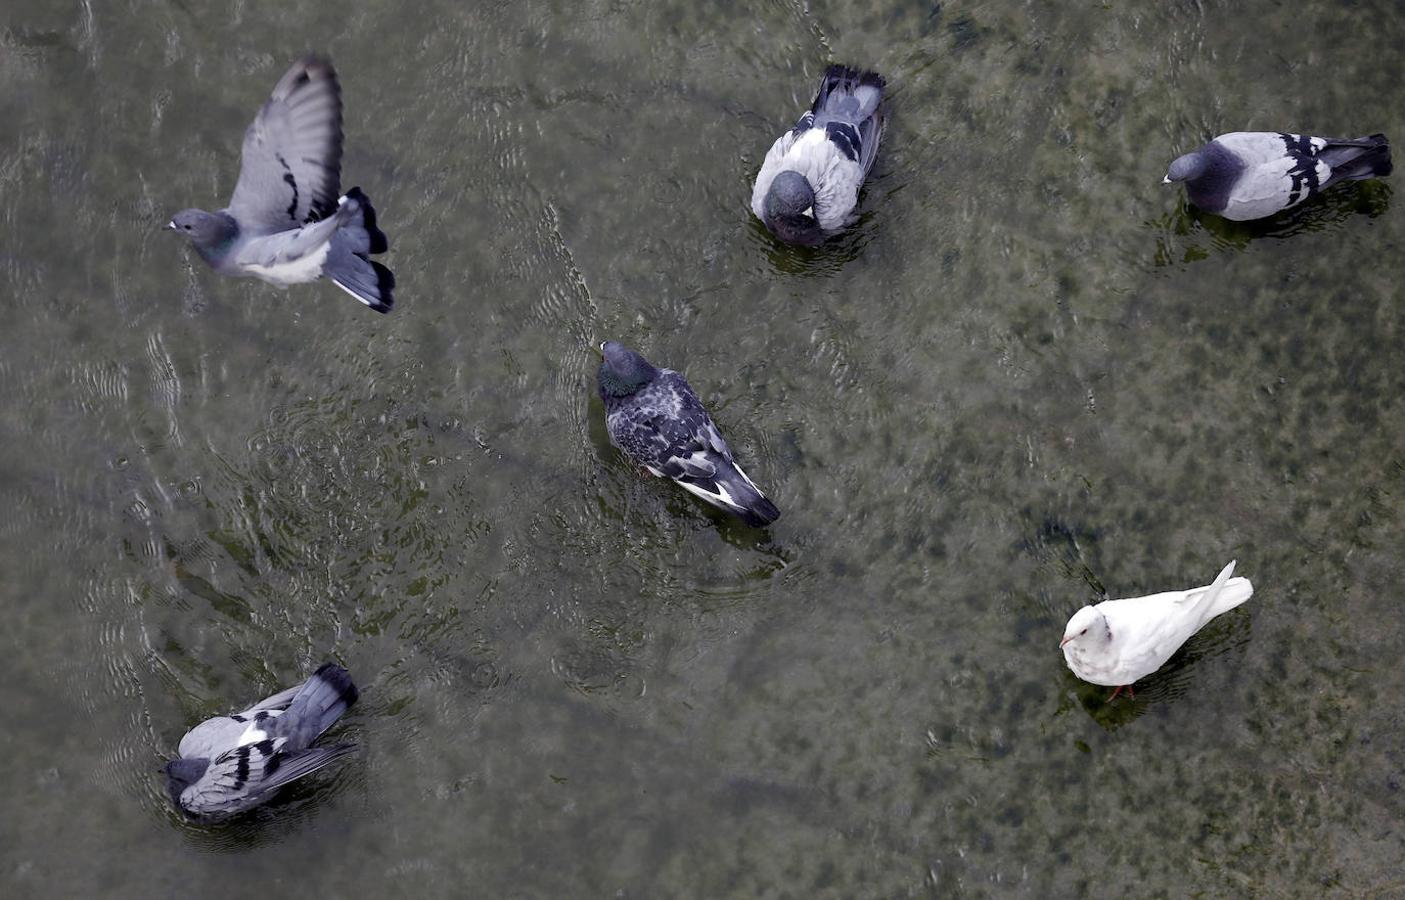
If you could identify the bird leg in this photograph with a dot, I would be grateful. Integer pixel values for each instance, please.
(1120, 687)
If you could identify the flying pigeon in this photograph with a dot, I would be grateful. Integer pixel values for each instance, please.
(1252, 174)
(230, 764)
(808, 186)
(1119, 641)
(657, 420)
(286, 223)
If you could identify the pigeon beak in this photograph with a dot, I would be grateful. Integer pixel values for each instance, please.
(1067, 638)
(170, 226)
(601, 349)
(1166, 180)
(809, 211)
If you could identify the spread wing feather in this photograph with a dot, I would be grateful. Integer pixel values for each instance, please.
(291, 167)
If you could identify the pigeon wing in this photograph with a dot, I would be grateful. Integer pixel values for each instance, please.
(213, 737)
(291, 167)
(870, 133)
(244, 777)
(773, 166)
(279, 700)
(286, 247)
(837, 189)
(1280, 170)
(232, 780)
(694, 444)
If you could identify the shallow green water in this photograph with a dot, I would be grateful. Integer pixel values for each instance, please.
(1028, 376)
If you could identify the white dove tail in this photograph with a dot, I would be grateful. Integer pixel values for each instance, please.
(1234, 592)
(1223, 595)
(349, 264)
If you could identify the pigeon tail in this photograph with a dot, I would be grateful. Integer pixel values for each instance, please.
(847, 94)
(1223, 595)
(733, 491)
(348, 263)
(366, 280)
(1367, 157)
(319, 703)
(358, 224)
(1234, 592)
(290, 767)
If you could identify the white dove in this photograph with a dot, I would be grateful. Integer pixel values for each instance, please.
(1118, 641)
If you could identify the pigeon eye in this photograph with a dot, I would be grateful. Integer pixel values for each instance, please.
(1084, 631)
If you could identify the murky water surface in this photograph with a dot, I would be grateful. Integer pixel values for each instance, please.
(1027, 377)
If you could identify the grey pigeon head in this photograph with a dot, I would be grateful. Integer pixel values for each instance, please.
(790, 210)
(1187, 167)
(209, 232)
(623, 372)
(181, 774)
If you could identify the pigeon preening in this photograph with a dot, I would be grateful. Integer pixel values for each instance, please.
(1118, 641)
(808, 187)
(1253, 174)
(657, 420)
(230, 764)
(287, 222)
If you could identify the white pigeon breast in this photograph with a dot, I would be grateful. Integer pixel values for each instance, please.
(1092, 667)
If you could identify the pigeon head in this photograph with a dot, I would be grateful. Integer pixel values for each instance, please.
(790, 210)
(623, 372)
(181, 774)
(205, 230)
(1187, 167)
(1085, 631)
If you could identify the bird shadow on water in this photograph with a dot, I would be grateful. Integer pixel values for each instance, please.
(1171, 682)
(1190, 235)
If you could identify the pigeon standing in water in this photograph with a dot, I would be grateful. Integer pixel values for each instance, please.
(230, 764)
(654, 416)
(286, 223)
(1253, 174)
(1118, 641)
(808, 187)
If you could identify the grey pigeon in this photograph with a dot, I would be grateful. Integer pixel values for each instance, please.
(654, 416)
(230, 764)
(808, 187)
(1253, 174)
(286, 223)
